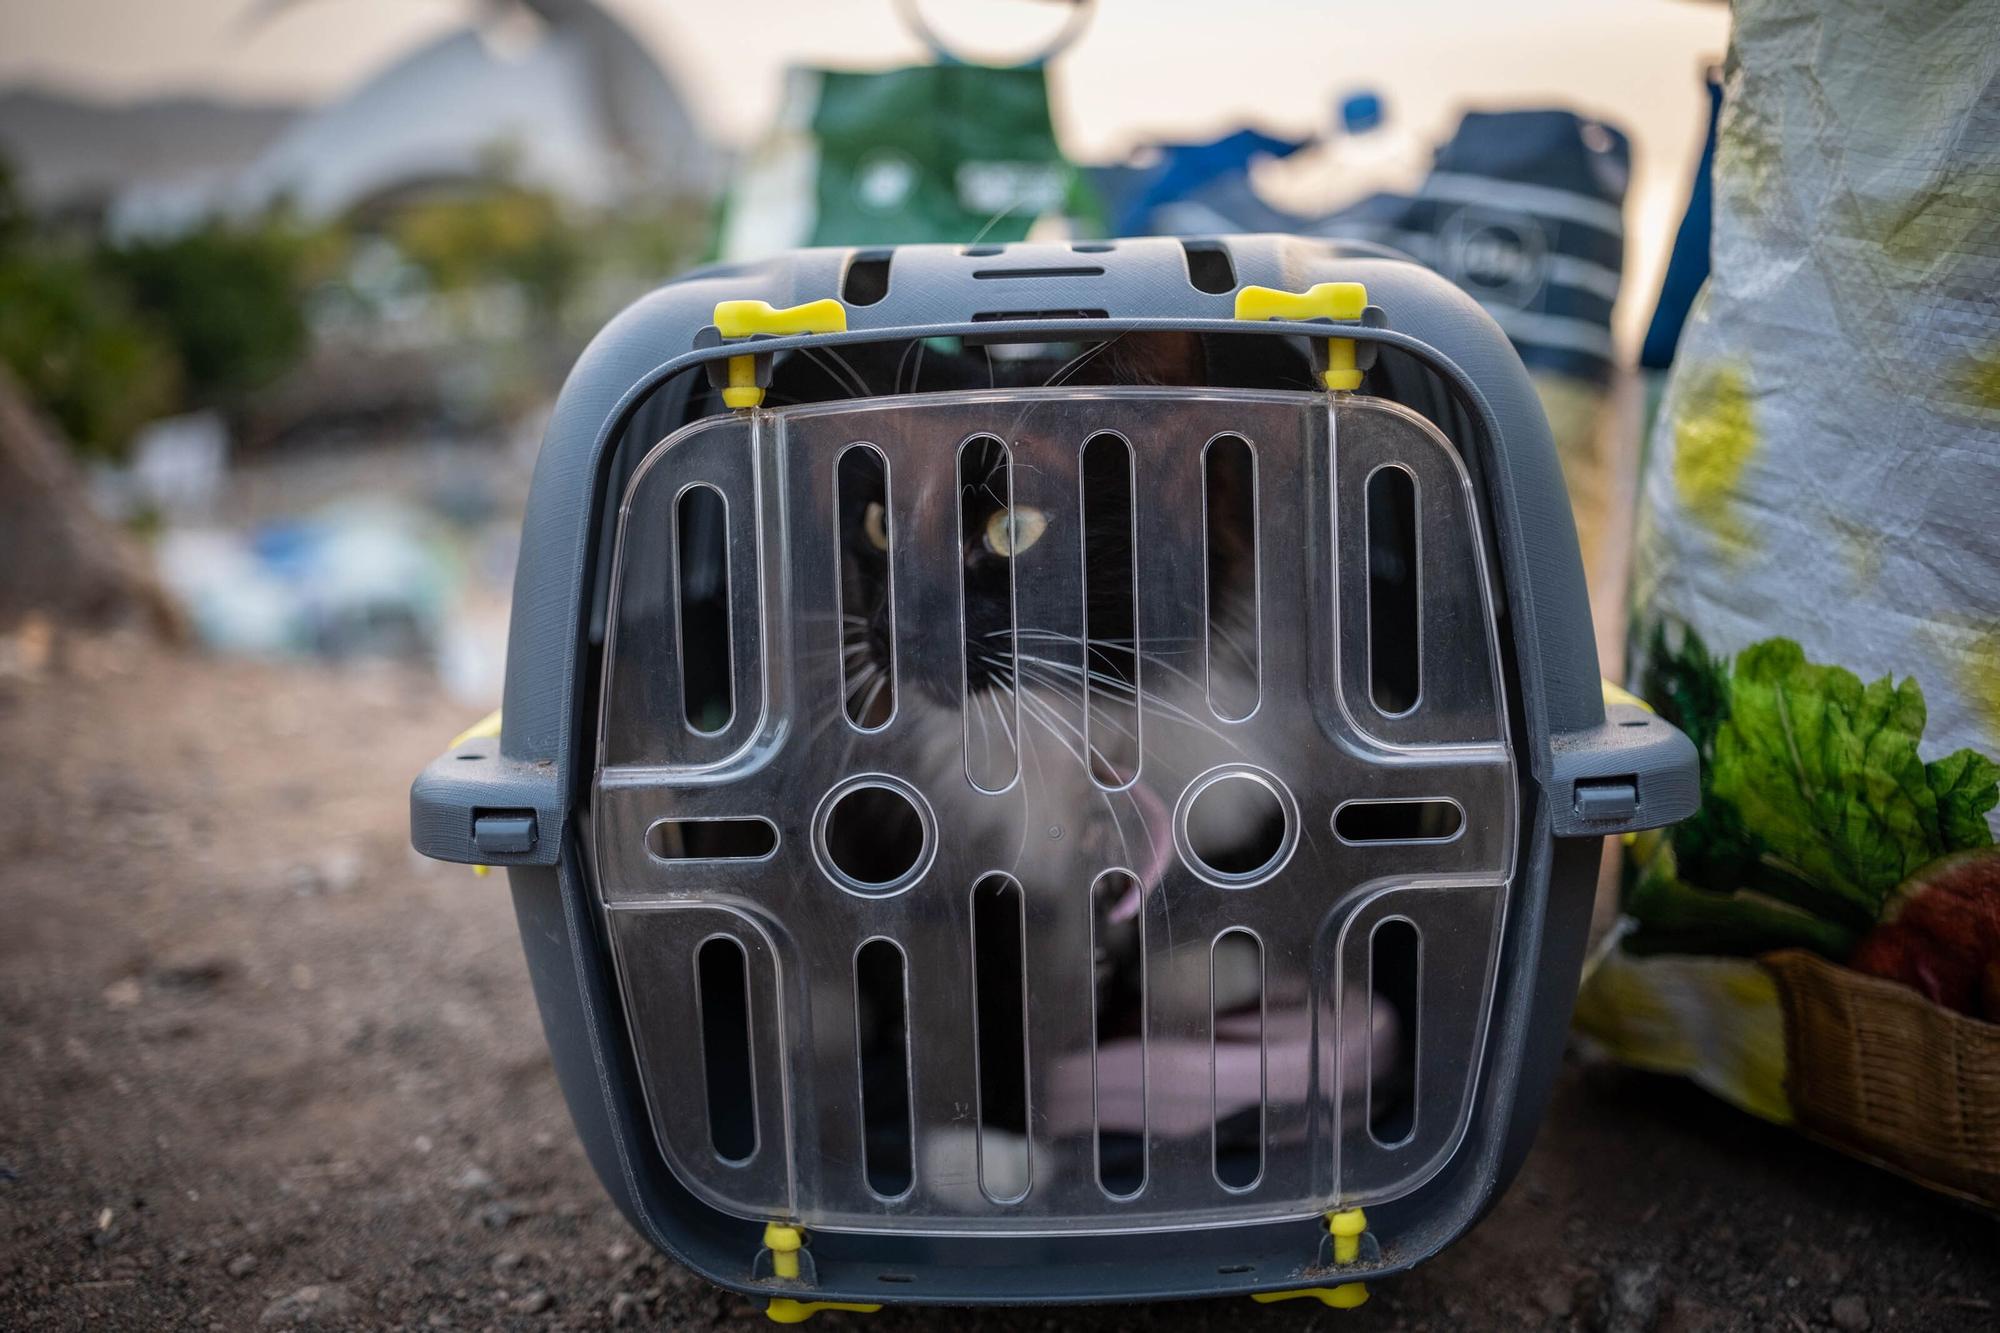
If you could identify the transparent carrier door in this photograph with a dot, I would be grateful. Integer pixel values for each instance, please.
(1054, 811)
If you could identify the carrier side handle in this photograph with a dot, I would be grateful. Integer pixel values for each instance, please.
(1635, 771)
(477, 807)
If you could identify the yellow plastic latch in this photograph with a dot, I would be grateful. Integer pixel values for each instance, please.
(785, 1310)
(1326, 300)
(484, 729)
(784, 1243)
(1347, 1226)
(1615, 695)
(746, 319)
(1346, 1296)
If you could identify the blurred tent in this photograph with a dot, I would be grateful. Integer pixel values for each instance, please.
(551, 94)
(73, 155)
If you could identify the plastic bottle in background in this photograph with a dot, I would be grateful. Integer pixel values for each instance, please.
(1365, 153)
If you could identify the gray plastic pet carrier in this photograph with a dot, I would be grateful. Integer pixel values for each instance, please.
(1052, 773)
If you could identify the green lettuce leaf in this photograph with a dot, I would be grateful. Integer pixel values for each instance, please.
(1825, 771)
(1815, 804)
(1967, 784)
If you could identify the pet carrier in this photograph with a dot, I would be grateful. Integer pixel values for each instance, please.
(1047, 773)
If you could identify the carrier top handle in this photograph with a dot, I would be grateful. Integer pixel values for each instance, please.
(1346, 302)
(749, 375)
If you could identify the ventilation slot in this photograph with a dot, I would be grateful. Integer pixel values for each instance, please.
(1398, 821)
(1209, 269)
(882, 1036)
(1230, 517)
(701, 526)
(1111, 691)
(1060, 271)
(750, 839)
(1393, 634)
(723, 977)
(1067, 316)
(1236, 1006)
(867, 278)
(1118, 1012)
(867, 624)
(1394, 963)
(987, 537)
(999, 1000)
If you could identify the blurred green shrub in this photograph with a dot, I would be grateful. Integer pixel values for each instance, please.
(71, 336)
(230, 296)
(465, 242)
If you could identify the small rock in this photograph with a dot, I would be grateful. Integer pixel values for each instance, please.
(123, 993)
(473, 1180)
(499, 1215)
(1630, 1301)
(243, 1265)
(339, 871)
(626, 1310)
(508, 1261)
(309, 1305)
(618, 1251)
(535, 1302)
(1850, 1314)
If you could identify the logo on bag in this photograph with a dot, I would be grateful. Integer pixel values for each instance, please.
(884, 181)
(1494, 255)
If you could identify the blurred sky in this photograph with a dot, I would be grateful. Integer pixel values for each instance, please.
(1144, 68)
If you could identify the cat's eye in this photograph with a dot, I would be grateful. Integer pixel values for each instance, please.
(1003, 538)
(875, 525)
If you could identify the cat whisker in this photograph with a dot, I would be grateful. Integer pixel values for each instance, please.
(1040, 712)
(821, 355)
(1071, 694)
(1077, 362)
(1148, 700)
(868, 705)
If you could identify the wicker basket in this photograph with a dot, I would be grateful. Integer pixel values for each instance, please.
(1877, 1070)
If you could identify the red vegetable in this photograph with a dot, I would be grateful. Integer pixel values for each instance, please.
(1940, 934)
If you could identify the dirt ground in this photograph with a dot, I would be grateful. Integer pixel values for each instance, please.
(259, 1064)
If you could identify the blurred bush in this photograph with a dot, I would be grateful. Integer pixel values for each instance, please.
(229, 297)
(72, 337)
(506, 236)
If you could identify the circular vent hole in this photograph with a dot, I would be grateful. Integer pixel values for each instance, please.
(874, 836)
(1236, 826)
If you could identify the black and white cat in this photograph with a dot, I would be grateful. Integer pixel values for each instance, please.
(1061, 769)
